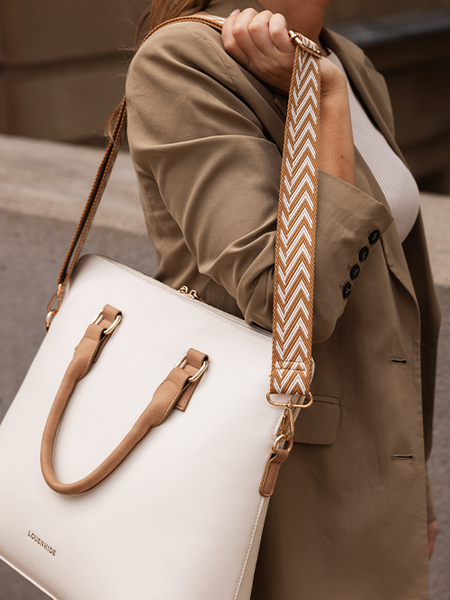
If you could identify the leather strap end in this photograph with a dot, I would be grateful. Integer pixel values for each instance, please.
(271, 471)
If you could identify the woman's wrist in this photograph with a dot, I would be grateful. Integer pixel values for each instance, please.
(333, 80)
(336, 102)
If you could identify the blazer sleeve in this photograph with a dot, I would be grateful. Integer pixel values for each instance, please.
(198, 126)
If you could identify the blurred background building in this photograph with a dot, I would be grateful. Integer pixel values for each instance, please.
(63, 66)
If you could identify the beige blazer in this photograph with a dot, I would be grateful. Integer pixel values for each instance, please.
(349, 517)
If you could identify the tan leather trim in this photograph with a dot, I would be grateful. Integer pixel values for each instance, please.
(271, 471)
(164, 399)
(194, 362)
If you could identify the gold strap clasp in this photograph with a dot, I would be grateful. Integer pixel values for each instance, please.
(286, 429)
(52, 311)
(305, 43)
(289, 402)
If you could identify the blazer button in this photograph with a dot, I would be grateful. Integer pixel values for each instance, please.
(347, 290)
(374, 236)
(363, 254)
(354, 272)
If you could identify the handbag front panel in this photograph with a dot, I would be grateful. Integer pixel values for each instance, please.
(177, 518)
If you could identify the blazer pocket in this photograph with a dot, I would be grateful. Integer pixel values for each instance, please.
(318, 424)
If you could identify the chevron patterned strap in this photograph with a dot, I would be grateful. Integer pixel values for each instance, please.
(296, 226)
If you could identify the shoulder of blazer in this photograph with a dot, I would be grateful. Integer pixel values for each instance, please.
(189, 44)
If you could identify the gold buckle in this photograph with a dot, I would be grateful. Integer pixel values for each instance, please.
(52, 311)
(105, 333)
(112, 327)
(199, 373)
(286, 404)
(286, 429)
(305, 43)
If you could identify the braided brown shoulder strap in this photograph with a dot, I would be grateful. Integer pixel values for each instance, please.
(296, 229)
(295, 239)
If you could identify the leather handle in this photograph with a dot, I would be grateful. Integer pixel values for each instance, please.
(175, 390)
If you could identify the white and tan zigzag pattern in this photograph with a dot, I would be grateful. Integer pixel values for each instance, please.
(295, 244)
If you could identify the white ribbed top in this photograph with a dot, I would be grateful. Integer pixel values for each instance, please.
(393, 177)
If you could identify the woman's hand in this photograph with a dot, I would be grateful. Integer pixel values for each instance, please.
(260, 42)
(433, 530)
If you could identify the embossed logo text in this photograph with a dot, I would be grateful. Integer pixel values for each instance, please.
(41, 543)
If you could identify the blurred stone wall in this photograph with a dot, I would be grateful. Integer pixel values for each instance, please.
(409, 43)
(63, 65)
(344, 11)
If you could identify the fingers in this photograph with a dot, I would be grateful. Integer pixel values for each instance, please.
(261, 44)
(236, 37)
(249, 30)
(259, 31)
(279, 35)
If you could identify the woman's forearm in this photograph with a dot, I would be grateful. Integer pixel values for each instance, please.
(336, 149)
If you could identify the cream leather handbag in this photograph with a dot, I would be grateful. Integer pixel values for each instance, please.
(123, 476)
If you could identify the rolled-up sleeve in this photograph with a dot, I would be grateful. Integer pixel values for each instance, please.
(195, 130)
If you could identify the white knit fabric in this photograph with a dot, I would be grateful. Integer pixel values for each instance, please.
(393, 177)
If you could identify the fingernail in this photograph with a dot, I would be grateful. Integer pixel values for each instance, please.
(235, 12)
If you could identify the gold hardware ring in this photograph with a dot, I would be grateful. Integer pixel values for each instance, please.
(112, 327)
(53, 311)
(278, 440)
(305, 43)
(199, 373)
(292, 405)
